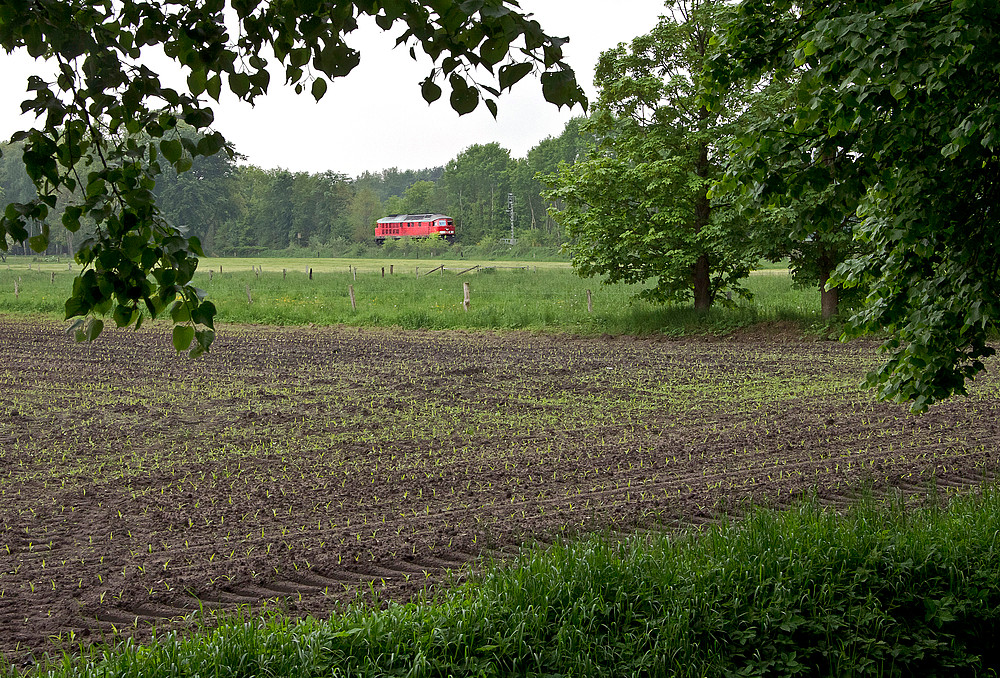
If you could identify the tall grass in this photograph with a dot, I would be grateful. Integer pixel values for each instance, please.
(881, 591)
(514, 295)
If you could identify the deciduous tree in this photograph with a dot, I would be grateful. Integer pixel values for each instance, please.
(638, 208)
(901, 98)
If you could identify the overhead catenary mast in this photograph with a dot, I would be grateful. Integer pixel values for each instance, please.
(510, 210)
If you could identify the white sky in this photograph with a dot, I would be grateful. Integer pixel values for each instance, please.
(347, 132)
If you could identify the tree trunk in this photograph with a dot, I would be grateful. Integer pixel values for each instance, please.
(701, 273)
(829, 297)
(702, 284)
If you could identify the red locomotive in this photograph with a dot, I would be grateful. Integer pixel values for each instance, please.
(398, 226)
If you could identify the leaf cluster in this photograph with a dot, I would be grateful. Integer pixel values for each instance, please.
(895, 108)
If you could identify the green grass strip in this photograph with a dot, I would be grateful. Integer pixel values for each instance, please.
(518, 296)
(881, 591)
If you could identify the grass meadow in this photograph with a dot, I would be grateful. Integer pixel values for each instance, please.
(542, 296)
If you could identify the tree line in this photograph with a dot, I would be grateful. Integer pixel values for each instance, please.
(239, 209)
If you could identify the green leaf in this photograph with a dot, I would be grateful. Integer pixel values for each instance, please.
(172, 149)
(494, 49)
(179, 312)
(560, 87)
(196, 81)
(430, 90)
(510, 74)
(77, 306)
(94, 329)
(239, 84)
(214, 86)
(195, 244)
(71, 218)
(318, 88)
(464, 99)
(183, 336)
(204, 314)
(123, 315)
(38, 243)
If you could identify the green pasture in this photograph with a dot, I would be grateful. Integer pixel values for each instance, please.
(413, 295)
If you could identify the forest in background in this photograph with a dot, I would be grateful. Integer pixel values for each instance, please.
(239, 209)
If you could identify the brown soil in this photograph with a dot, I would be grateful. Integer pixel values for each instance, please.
(311, 466)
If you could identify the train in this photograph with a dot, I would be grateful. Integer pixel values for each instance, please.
(397, 226)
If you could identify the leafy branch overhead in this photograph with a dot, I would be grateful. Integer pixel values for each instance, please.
(907, 95)
(108, 125)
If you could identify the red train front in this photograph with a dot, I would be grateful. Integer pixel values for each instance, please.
(398, 226)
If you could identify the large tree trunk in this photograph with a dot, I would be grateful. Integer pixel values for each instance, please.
(829, 297)
(829, 300)
(701, 272)
(702, 284)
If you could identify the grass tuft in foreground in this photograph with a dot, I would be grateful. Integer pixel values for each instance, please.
(880, 591)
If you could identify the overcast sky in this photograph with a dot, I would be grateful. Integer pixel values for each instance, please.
(352, 130)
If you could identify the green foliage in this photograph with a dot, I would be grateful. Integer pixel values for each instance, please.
(638, 208)
(904, 96)
(881, 591)
(109, 126)
(477, 182)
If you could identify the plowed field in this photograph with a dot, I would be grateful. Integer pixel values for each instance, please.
(306, 465)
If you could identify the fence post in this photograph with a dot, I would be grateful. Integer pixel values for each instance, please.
(249, 296)
(355, 270)
(350, 291)
(390, 269)
(53, 278)
(590, 303)
(417, 272)
(310, 274)
(284, 272)
(17, 288)
(468, 297)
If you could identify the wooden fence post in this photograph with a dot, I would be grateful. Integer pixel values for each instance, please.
(383, 271)
(355, 269)
(417, 272)
(468, 297)
(53, 278)
(590, 303)
(249, 296)
(310, 274)
(390, 269)
(284, 272)
(350, 291)
(17, 288)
